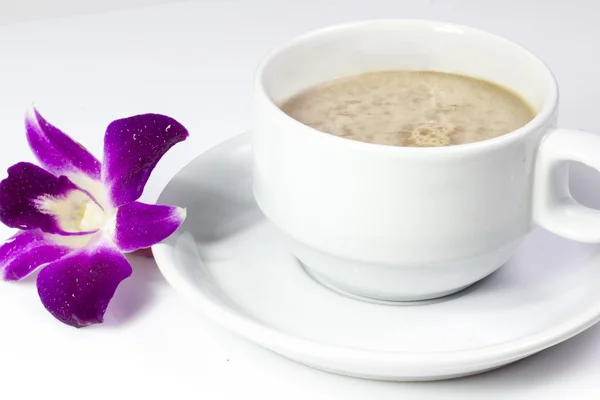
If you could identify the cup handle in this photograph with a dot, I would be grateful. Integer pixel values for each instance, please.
(553, 206)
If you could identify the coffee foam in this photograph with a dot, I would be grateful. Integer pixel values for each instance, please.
(410, 108)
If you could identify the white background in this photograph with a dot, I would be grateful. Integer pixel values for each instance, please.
(29, 10)
(194, 61)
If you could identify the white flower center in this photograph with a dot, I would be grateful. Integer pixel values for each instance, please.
(91, 217)
(75, 212)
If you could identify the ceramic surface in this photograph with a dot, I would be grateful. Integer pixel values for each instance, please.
(401, 223)
(235, 267)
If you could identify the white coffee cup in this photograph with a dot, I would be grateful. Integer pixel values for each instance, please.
(403, 223)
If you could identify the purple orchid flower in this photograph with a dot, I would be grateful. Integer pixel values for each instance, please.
(78, 216)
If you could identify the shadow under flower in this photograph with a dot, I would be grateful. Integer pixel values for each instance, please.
(135, 294)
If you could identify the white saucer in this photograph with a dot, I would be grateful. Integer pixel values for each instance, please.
(232, 265)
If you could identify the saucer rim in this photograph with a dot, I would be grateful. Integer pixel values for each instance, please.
(481, 357)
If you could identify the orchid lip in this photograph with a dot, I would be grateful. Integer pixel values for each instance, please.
(32, 198)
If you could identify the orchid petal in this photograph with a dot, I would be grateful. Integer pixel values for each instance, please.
(31, 198)
(25, 252)
(132, 148)
(61, 155)
(140, 225)
(56, 151)
(77, 288)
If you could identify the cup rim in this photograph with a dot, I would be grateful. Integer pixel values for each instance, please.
(532, 126)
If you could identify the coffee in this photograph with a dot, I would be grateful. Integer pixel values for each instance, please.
(410, 108)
